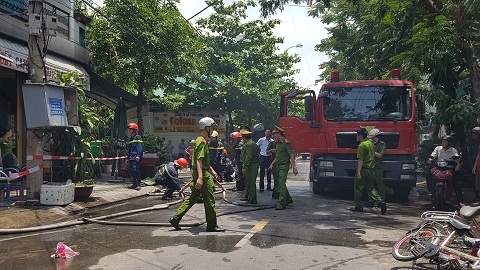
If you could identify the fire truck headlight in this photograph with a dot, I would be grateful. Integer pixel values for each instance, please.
(407, 176)
(408, 166)
(325, 164)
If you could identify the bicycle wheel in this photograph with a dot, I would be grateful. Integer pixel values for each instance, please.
(402, 250)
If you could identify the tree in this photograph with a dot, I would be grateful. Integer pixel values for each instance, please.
(143, 45)
(243, 75)
(435, 42)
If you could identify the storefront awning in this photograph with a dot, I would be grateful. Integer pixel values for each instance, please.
(106, 92)
(14, 55)
(18, 53)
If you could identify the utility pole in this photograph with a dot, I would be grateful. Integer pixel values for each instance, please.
(36, 74)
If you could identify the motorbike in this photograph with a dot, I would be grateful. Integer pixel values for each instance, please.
(447, 239)
(442, 179)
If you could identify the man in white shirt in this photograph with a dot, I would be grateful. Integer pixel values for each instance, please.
(265, 160)
(446, 152)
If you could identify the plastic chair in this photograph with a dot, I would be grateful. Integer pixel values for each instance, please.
(10, 165)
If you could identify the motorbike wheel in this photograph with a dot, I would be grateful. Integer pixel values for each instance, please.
(402, 250)
(440, 192)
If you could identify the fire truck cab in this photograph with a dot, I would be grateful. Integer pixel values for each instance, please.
(325, 126)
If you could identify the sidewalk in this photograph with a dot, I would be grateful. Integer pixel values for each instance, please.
(107, 190)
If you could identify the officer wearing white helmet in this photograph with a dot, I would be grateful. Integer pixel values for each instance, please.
(203, 179)
(378, 193)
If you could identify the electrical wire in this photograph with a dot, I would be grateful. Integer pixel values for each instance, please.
(203, 10)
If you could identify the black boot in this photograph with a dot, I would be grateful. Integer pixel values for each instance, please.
(175, 224)
(134, 184)
(168, 194)
(215, 229)
(137, 184)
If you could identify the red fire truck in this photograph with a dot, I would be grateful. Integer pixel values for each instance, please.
(325, 127)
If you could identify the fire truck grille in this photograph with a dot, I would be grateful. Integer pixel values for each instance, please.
(349, 139)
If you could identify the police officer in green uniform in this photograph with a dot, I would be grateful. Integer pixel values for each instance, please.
(284, 158)
(203, 180)
(365, 174)
(250, 158)
(378, 185)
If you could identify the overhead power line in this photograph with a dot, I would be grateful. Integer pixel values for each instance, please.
(203, 10)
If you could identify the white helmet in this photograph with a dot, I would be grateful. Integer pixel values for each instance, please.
(206, 122)
(374, 132)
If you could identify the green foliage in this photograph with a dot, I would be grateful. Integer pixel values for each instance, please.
(142, 46)
(243, 76)
(86, 182)
(154, 144)
(68, 141)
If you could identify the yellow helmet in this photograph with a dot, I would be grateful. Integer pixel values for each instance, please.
(214, 134)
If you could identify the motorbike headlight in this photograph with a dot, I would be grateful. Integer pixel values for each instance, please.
(408, 166)
(442, 163)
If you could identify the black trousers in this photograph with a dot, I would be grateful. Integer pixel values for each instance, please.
(239, 177)
(265, 162)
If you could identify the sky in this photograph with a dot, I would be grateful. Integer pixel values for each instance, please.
(296, 28)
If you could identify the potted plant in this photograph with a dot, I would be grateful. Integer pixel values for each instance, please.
(153, 155)
(84, 169)
(109, 152)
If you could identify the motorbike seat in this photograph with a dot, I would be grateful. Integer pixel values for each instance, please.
(469, 211)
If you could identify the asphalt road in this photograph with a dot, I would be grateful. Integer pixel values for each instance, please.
(315, 232)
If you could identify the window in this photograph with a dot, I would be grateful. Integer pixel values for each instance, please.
(81, 37)
(379, 103)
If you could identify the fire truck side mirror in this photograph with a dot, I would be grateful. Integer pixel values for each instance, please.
(308, 107)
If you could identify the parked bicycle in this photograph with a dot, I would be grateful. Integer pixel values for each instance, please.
(447, 239)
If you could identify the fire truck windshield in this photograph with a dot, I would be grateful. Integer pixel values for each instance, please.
(378, 103)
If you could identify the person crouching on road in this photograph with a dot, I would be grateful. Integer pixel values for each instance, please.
(284, 158)
(365, 175)
(135, 153)
(203, 180)
(250, 158)
(167, 176)
(378, 193)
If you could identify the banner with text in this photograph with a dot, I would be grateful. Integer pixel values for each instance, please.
(184, 121)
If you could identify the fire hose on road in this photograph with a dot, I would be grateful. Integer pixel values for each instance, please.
(102, 219)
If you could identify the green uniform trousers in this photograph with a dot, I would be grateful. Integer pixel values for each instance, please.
(251, 183)
(365, 184)
(378, 186)
(207, 193)
(275, 181)
(284, 197)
